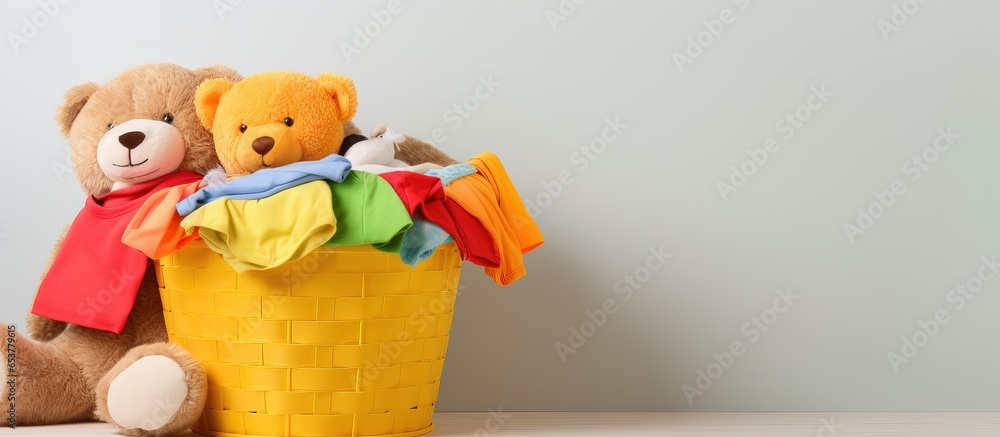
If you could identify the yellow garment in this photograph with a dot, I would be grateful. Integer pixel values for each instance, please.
(491, 197)
(263, 234)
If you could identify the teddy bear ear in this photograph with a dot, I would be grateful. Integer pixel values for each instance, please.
(206, 99)
(216, 71)
(76, 98)
(341, 88)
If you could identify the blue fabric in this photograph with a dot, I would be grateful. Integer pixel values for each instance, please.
(421, 240)
(452, 173)
(269, 181)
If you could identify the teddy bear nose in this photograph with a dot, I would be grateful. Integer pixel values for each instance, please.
(263, 145)
(131, 140)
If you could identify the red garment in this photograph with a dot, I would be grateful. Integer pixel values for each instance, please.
(424, 194)
(95, 278)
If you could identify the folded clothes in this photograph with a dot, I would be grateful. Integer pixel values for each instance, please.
(265, 233)
(490, 196)
(368, 212)
(156, 228)
(269, 181)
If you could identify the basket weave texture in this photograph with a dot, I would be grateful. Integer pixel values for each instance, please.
(348, 341)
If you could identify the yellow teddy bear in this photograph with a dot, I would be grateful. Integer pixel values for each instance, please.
(276, 118)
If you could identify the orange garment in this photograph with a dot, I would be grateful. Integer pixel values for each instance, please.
(156, 228)
(491, 197)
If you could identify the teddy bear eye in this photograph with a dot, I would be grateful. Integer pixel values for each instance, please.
(289, 122)
(168, 118)
(243, 128)
(111, 125)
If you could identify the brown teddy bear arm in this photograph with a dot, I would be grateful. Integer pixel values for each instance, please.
(414, 152)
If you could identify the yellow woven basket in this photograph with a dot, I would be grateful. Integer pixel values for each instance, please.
(348, 341)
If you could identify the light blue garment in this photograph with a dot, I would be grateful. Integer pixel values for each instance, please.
(269, 181)
(452, 173)
(421, 240)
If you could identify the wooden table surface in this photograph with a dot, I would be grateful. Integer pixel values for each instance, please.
(662, 424)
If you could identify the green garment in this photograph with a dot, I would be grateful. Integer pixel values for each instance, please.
(368, 211)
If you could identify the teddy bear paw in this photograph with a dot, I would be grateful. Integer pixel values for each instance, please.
(148, 394)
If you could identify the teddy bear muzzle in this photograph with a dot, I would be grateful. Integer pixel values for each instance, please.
(269, 145)
(140, 150)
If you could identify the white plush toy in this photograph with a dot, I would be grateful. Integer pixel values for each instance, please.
(377, 154)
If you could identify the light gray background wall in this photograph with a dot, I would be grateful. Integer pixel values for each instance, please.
(654, 186)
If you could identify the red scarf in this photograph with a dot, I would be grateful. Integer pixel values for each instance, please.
(95, 278)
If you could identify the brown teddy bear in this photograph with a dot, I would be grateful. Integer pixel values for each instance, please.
(135, 379)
